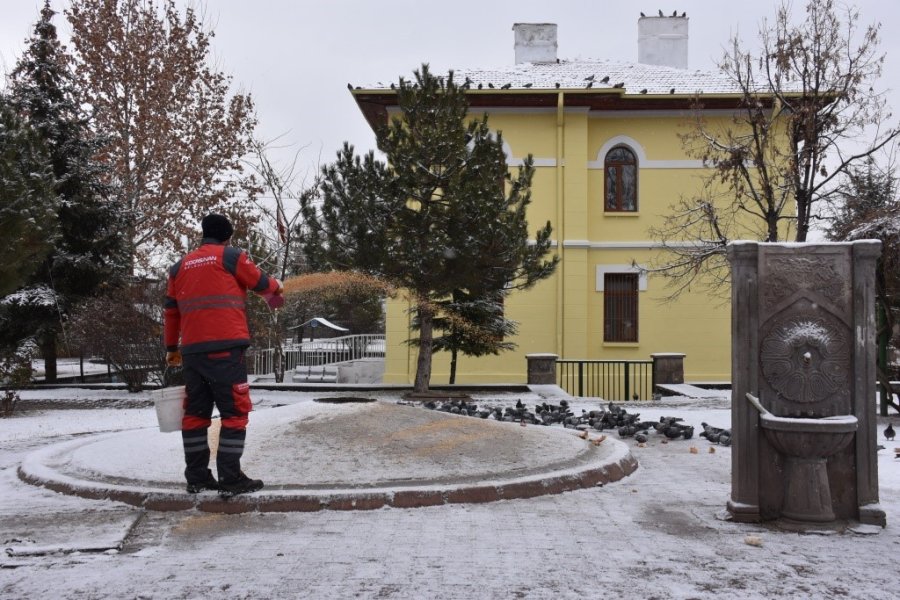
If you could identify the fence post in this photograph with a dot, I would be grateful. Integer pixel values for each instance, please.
(541, 369)
(668, 367)
(627, 381)
(580, 379)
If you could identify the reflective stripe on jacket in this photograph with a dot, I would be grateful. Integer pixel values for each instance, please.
(206, 296)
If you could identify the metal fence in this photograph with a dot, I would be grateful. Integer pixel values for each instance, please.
(615, 380)
(321, 352)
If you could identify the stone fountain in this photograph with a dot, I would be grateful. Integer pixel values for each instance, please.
(803, 384)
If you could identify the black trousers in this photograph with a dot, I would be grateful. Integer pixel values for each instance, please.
(216, 379)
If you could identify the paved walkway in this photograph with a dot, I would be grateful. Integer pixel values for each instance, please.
(653, 534)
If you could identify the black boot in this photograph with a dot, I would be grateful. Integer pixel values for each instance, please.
(210, 483)
(241, 485)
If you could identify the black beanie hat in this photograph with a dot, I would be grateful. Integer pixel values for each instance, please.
(217, 227)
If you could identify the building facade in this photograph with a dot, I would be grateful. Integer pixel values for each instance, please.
(609, 162)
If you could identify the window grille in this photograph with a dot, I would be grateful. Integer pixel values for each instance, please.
(620, 307)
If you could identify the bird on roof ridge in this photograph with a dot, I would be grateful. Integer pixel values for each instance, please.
(660, 12)
(605, 79)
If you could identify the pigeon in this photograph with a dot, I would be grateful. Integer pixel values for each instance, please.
(889, 432)
(675, 14)
(491, 85)
(660, 13)
(711, 433)
(643, 91)
(605, 79)
(589, 78)
(672, 90)
(350, 86)
(621, 84)
(527, 85)
(589, 84)
(480, 86)
(505, 86)
(643, 15)
(557, 85)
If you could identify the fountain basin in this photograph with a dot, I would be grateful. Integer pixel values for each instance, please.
(806, 444)
(809, 438)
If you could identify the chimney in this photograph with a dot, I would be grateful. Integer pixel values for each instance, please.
(535, 42)
(663, 41)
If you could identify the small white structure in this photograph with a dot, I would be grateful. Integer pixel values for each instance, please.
(535, 42)
(663, 41)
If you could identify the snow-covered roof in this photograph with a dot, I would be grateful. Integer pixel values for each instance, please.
(593, 74)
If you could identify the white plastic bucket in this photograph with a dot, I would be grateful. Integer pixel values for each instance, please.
(169, 407)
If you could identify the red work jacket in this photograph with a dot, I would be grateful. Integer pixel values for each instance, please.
(206, 296)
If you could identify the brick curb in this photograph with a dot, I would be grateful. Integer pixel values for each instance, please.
(616, 466)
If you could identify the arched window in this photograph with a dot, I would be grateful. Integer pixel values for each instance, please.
(620, 187)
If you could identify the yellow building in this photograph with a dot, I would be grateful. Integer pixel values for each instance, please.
(609, 164)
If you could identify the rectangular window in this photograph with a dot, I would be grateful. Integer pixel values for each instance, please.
(620, 307)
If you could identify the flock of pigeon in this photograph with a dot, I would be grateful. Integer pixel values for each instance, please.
(613, 417)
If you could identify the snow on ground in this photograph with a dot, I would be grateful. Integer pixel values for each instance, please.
(654, 534)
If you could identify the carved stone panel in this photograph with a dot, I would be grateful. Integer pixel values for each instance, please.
(785, 275)
(805, 356)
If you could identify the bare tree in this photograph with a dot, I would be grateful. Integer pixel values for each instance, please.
(808, 114)
(286, 190)
(174, 136)
(127, 335)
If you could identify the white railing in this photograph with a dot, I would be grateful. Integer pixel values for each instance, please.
(321, 352)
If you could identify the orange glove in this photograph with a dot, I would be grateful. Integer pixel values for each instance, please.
(280, 289)
(173, 359)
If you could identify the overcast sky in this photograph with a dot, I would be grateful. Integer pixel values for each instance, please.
(297, 56)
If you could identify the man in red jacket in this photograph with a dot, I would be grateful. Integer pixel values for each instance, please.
(205, 312)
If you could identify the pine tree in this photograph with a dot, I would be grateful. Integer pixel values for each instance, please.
(445, 216)
(87, 257)
(27, 200)
(869, 209)
(473, 325)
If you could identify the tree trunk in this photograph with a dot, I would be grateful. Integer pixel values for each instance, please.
(426, 341)
(278, 354)
(453, 354)
(803, 209)
(48, 351)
